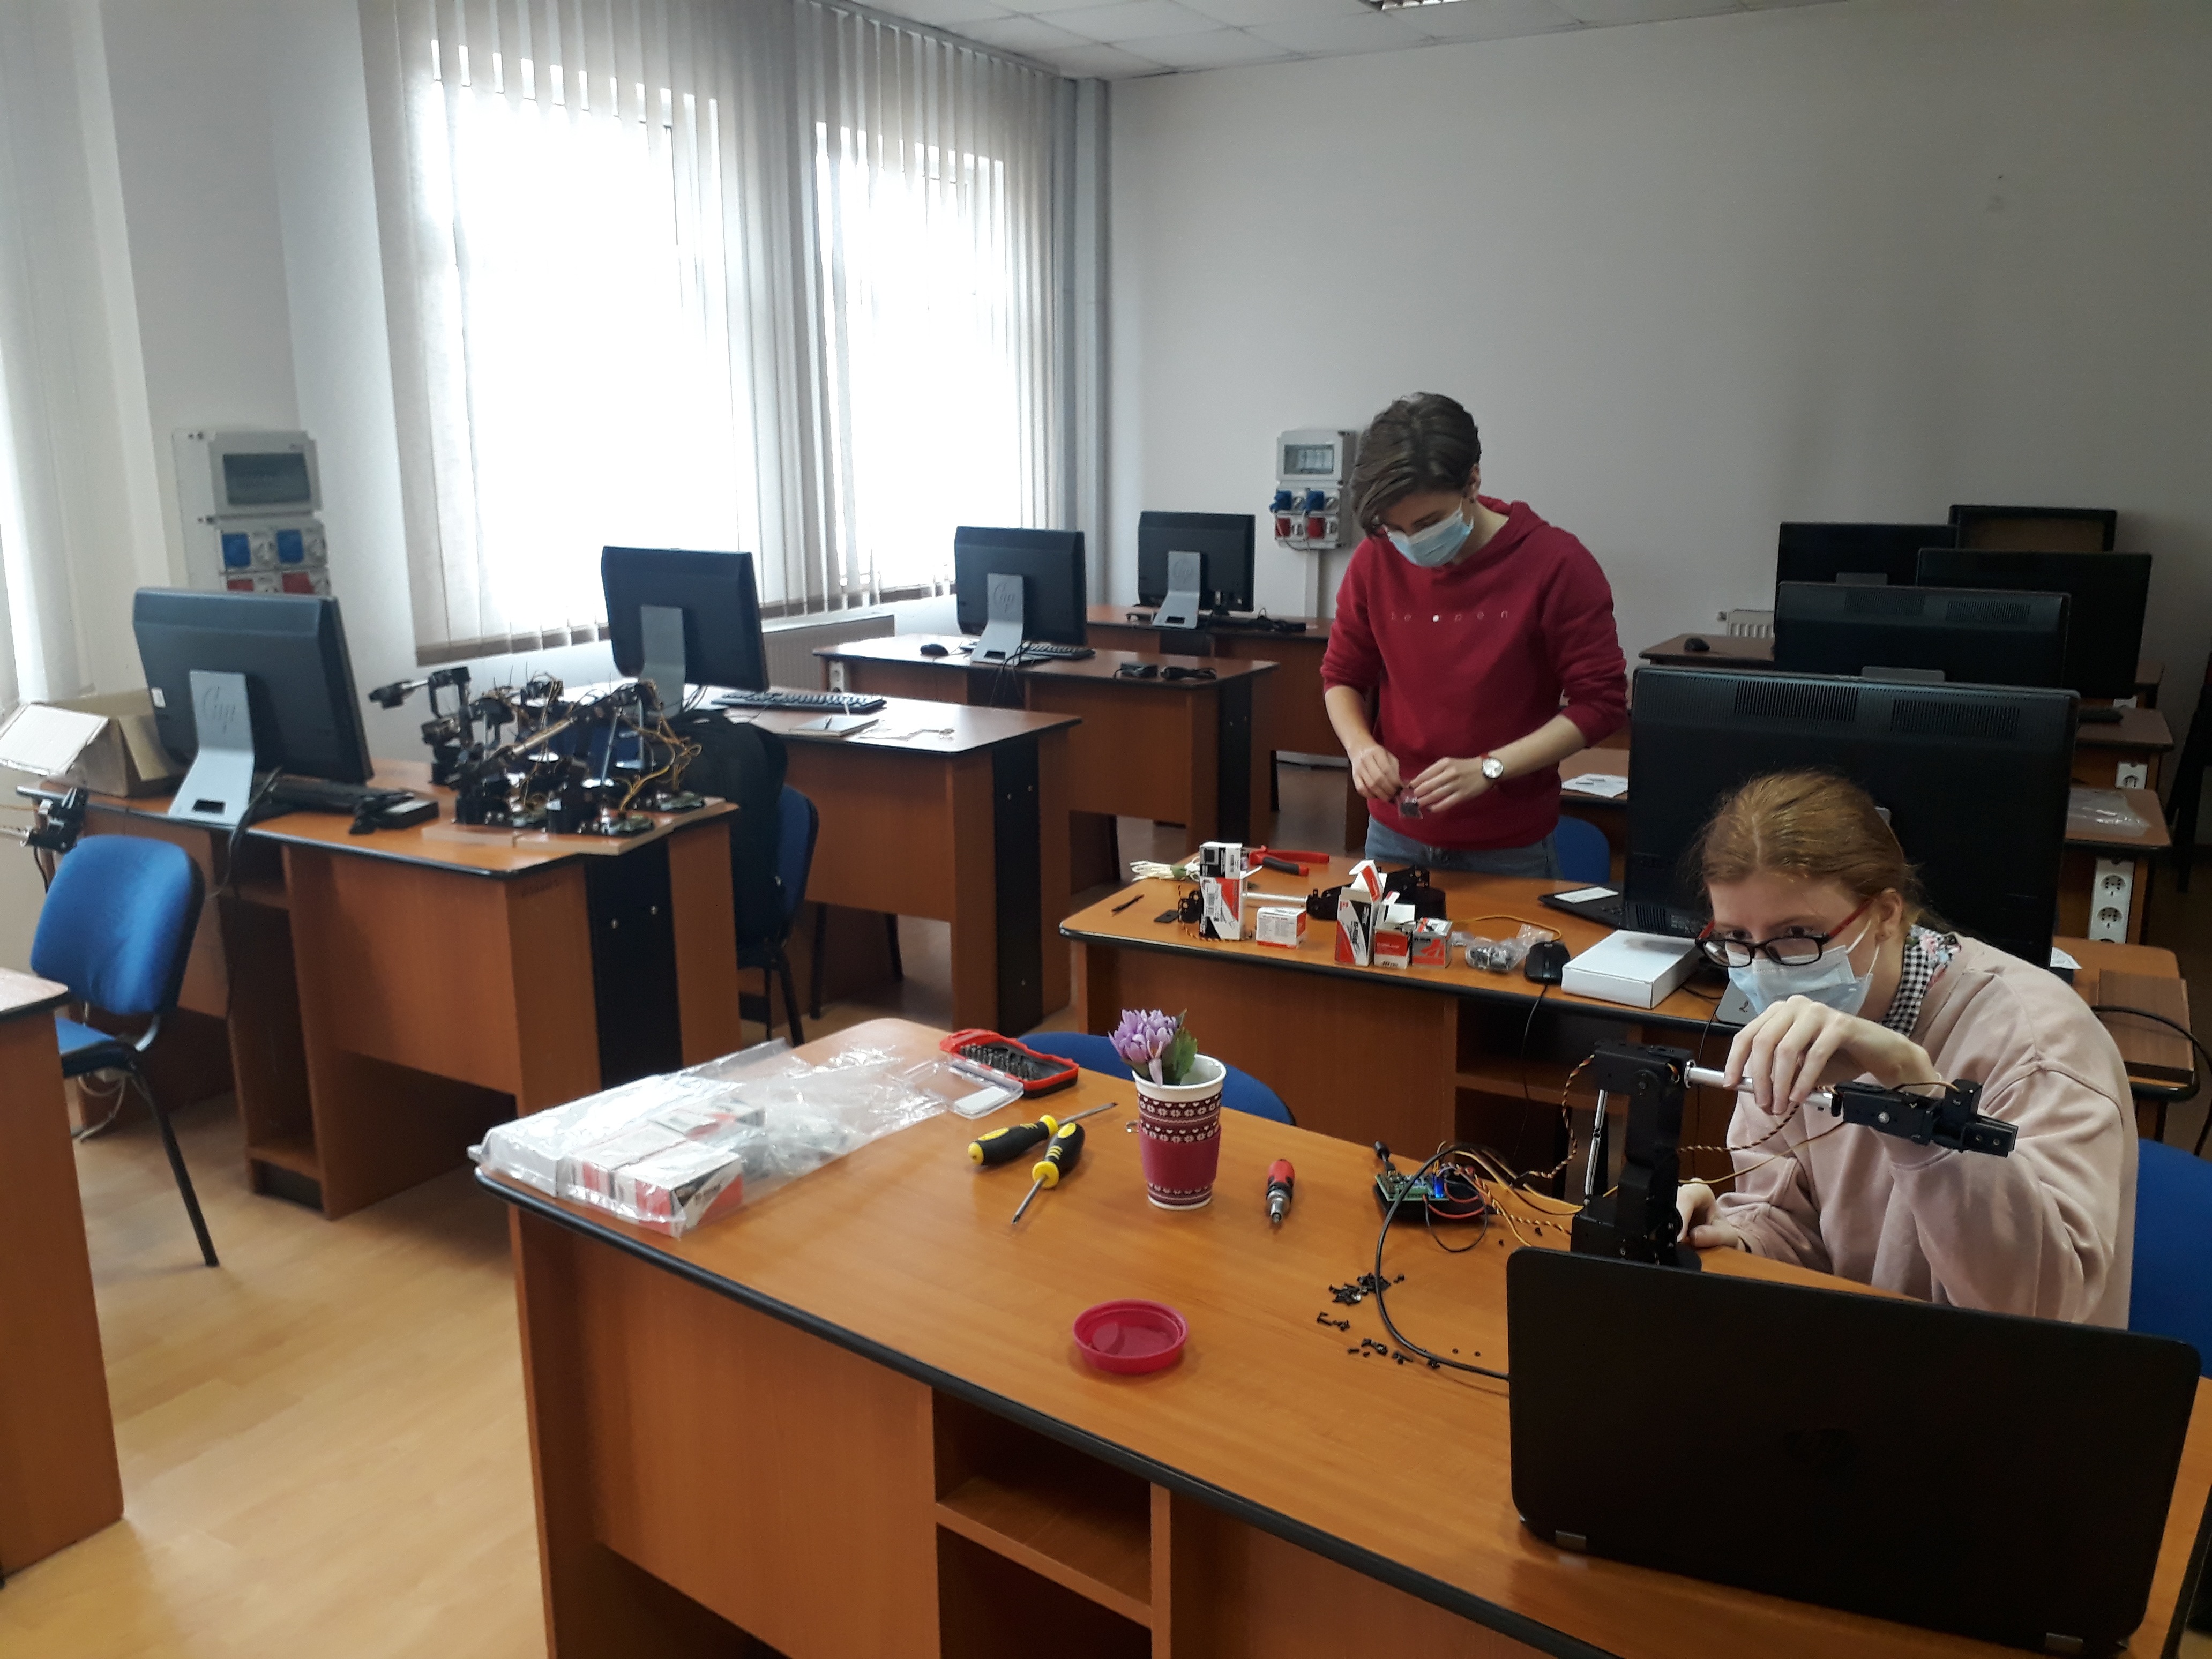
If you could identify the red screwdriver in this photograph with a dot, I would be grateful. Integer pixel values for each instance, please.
(1280, 1179)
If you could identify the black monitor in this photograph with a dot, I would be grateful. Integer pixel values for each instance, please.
(1223, 540)
(720, 606)
(1054, 585)
(1975, 780)
(1960, 634)
(2109, 593)
(291, 647)
(1869, 554)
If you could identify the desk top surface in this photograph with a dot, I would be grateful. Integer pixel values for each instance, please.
(902, 1252)
(907, 648)
(23, 993)
(1140, 615)
(916, 726)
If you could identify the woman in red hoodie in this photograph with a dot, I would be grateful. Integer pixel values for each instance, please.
(1484, 639)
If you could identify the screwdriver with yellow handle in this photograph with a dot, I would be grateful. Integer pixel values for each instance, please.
(1005, 1145)
(1059, 1158)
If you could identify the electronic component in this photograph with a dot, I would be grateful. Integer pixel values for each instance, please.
(1442, 1193)
(1000, 1059)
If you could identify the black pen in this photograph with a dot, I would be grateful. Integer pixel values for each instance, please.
(1124, 905)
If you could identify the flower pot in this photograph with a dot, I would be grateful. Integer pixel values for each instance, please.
(1179, 1135)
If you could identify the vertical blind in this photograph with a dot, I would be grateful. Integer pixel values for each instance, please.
(757, 274)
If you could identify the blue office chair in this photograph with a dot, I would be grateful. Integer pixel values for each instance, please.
(798, 825)
(116, 929)
(1240, 1091)
(1585, 855)
(2171, 1295)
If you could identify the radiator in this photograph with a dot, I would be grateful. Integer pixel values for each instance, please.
(792, 663)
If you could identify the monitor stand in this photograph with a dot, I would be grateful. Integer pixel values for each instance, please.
(1186, 574)
(661, 629)
(1001, 641)
(220, 785)
(1903, 676)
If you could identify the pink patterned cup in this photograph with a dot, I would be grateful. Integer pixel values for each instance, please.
(1179, 1135)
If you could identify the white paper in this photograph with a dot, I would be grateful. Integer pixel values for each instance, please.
(2060, 959)
(46, 741)
(838, 725)
(1604, 785)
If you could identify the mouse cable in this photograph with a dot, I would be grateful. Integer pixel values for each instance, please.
(1382, 1284)
(2102, 1009)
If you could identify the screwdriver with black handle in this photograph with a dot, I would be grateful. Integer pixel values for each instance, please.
(1005, 1145)
(1059, 1158)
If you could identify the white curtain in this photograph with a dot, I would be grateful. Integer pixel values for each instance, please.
(756, 273)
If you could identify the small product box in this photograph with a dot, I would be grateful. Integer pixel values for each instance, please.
(678, 1188)
(1358, 912)
(1431, 939)
(1638, 970)
(1280, 924)
(1221, 890)
(1393, 948)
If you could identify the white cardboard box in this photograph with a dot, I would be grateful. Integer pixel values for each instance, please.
(1638, 970)
(107, 743)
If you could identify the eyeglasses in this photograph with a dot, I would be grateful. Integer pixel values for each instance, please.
(1787, 950)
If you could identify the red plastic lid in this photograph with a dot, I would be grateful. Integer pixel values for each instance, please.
(1131, 1337)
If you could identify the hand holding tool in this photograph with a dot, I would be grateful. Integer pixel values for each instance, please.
(1005, 1145)
(1060, 1156)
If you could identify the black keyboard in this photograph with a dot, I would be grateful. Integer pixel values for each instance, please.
(1035, 652)
(1636, 916)
(805, 702)
(369, 806)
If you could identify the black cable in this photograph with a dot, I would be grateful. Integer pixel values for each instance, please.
(1382, 1284)
(2102, 1008)
(1528, 1100)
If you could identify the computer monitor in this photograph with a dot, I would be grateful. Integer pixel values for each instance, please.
(1054, 585)
(291, 649)
(720, 606)
(2109, 592)
(1224, 541)
(1954, 634)
(2034, 529)
(1869, 554)
(1947, 762)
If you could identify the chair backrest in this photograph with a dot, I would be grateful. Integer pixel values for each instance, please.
(118, 923)
(1584, 853)
(798, 823)
(2172, 1291)
(1240, 1091)
(745, 765)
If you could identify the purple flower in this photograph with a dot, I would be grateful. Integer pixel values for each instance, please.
(1142, 1038)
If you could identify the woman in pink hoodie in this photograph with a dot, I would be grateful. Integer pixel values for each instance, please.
(1818, 919)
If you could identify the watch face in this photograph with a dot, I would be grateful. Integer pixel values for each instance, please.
(1493, 769)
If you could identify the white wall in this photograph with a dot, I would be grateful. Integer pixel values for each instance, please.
(1694, 278)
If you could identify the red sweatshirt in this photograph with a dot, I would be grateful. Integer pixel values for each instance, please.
(1471, 657)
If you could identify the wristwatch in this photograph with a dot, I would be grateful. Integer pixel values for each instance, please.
(1492, 768)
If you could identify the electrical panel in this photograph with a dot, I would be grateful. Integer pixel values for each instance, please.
(1313, 470)
(251, 504)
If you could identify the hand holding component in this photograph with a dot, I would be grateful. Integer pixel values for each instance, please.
(1703, 1228)
(1449, 783)
(1375, 774)
(1793, 1047)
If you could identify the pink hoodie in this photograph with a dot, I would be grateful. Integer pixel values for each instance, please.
(2049, 1230)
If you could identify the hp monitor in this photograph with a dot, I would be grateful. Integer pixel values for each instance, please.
(1866, 555)
(719, 603)
(290, 648)
(1921, 633)
(1974, 779)
(1223, 540)
(2108, 593)
(1054, 585)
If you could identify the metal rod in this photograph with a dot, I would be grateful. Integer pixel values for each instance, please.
(1600, 1155)
(1035, 1186)
(1704, 1077)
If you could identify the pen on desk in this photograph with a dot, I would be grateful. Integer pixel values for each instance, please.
(1124, 904)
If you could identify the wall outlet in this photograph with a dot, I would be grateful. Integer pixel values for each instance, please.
(2131, 774)
(2112, 900)
(836, 676)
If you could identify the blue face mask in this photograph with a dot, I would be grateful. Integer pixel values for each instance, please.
(1829, 981)
(1438, 544)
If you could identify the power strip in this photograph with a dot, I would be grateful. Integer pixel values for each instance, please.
(2112, 900)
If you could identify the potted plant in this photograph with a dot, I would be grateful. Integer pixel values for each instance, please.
(1178, 1107)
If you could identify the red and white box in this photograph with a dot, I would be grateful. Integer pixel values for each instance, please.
(1359, 914)
(1430, 943)
(1283, 925)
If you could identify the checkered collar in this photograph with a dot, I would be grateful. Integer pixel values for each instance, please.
(1927, 953)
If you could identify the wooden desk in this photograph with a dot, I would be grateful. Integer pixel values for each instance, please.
(1412, 1057)
(1178, 752)
(59, 1480)
(847, 1421)
(389, 997)
(955, 813)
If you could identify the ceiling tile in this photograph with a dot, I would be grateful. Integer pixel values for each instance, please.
(1487, 19)
(945, 13)
(1047, 8)
(1133, 20)
(1105, 62)
(1029, 34)
(1332, 36)
(1217, 49)
(1244, 13)
(1641, 11)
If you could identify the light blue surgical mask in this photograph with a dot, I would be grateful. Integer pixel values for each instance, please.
(1828, 981)
(1438, 544)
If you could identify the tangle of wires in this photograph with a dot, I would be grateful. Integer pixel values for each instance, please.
(2104, 1008)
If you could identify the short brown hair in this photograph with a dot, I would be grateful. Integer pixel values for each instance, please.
(1424, 442)
(1810, 825)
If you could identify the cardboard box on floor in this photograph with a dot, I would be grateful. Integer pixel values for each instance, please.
(107, 743)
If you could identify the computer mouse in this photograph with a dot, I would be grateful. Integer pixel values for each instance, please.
(1693, 643)
(1546, 963)
(933, 649)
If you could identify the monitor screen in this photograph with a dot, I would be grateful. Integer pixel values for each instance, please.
(1867, 555)
(1969, 636)
(722, 642)
(291, 648)
(1946, 761)
(1054, 585)
(1223, 539)
(2107, 595)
